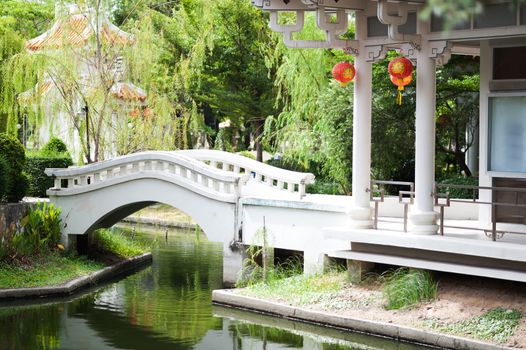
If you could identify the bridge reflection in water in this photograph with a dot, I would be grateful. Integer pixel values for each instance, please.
(166, 306)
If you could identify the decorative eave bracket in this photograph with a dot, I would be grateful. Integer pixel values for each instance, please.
(394, 21)
(332, 31)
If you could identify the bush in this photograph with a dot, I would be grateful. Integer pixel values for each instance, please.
(457, 192)
(55, 145)
(19, 187)
(13, 153)
(39, 182)
(247, 154)
(406, 287)
(3, 179)
(41, 229)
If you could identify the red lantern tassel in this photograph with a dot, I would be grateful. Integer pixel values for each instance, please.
(399, 98)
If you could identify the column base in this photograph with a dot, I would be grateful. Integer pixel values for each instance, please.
(361, 217)
(232, 264)
(423, 223)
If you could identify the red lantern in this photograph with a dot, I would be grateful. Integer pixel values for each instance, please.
(401, 82)
(400, 67)
(344, 72)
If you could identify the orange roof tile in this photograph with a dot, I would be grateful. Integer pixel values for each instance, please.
(75, 31)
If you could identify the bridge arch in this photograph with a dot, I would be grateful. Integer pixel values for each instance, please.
(99, 195)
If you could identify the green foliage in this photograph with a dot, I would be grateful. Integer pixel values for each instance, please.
(118, 244)
(40, 230)
(51, 269)
(36, 163)
(19, 187)
(3, 179)
(325, 187)
(13, 153)
(406, 287)
(247, 154)
(55, 145)
(496, 325)
(460, 192)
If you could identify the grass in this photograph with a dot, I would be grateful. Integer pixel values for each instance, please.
(53, 269)
(405, 287)
(299, 289)
(496, 325)
(118, 243)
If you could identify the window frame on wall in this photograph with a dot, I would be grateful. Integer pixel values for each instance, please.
(500, 173)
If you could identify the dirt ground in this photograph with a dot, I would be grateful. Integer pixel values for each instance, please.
(459, 298)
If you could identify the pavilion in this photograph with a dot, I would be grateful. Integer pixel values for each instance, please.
(498, 35)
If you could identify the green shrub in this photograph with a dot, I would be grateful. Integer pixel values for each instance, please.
(13, 153)
(325, 187)
(41, 230)
(406, 287)
(18, 187)
(3, 179)
(457, 192)
(39, 182)
(247, 154)
(55, 145)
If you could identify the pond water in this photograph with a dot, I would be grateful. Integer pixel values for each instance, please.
(165, 306)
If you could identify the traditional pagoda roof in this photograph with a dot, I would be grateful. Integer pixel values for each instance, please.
(76, 29)
(128, 92)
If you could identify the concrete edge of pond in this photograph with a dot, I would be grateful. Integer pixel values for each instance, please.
(78, 283)
(390, 330)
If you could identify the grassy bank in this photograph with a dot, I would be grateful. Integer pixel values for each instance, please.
(490, 312)
(49, 267)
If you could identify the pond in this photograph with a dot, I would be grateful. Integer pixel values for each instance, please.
(165, 306)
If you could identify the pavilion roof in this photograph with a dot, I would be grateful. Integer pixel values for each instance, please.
(76, 30)
(128, 92)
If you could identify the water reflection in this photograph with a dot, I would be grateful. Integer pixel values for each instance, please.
(165, 306)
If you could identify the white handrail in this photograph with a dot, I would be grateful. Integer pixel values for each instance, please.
(261, 172)
(169, 166)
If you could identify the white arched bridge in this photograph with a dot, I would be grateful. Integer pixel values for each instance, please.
(229, 196)
(232, 197)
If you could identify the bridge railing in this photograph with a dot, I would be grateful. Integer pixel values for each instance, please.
(175, 166)
(274, 177)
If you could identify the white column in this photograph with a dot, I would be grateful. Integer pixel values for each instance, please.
(423, 218)
(361, 212)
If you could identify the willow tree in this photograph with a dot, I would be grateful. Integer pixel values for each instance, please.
(81, 73)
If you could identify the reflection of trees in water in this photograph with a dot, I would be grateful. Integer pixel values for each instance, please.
(173, 297)
(265, 334)
(35, 327)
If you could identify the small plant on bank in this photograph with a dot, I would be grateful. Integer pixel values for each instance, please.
(496, 325)
(406, 287)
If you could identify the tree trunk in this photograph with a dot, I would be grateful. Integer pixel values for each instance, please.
(258, 133)
(461, 160)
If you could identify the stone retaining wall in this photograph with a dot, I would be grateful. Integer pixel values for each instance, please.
(11, 214)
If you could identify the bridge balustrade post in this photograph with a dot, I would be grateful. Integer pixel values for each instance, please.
(96, 178)
(302, 189)
(109, 173)
(136, 167)
(226, 166)
(83, 180)
(290, 186)
(236, 169)
(213, 164)
(148, 165)
(123, 169)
